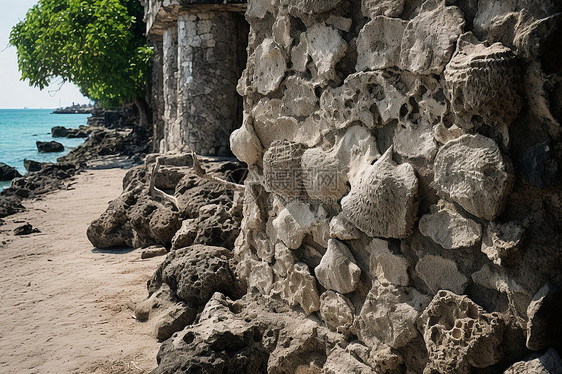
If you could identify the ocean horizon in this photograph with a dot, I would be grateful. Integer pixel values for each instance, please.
(21, 128)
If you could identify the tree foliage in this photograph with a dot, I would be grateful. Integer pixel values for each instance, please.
(99, 45)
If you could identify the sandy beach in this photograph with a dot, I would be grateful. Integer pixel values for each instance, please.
(64, 306)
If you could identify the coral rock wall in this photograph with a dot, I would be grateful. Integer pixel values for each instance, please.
(405, 183)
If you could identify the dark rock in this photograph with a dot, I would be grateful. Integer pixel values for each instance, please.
(63, 132)
(112, 228)
(48, 178)
(7, 173)
(10, 205)
(214, 225)
(138, 219)
(78, 133)
(246, 337)
(167, 314)
(59, 132)
(195, 273)
(52, 146)
(105, 142)
(127, 116)
(221, 343)
(31, 165)
(25, 229)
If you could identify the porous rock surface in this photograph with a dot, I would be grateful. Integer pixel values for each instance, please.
(472, 172)
(459, 335)
(403, 195)
(449, 229)
(195, 212)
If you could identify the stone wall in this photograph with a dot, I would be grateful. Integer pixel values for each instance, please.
(405, 183)
(200, 54)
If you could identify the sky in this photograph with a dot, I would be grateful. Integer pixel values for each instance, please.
(15, 93)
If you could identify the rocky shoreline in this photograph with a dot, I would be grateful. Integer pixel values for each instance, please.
(75, 109)
(110, 134)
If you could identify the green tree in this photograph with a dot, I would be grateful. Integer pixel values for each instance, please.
(99, 45)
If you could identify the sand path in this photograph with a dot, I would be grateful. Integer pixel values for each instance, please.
(64, 305)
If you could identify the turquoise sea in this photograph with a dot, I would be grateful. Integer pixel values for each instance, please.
(21, 128)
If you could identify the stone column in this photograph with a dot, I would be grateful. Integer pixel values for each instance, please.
(171, 138)
(156, 86)
(209, 68)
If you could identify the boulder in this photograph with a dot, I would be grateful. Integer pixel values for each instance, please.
(270, 67)
(195, 273)
(342, 361)
(341, 228)
(423, 50)
(165, 313)
(244, 336)
(502, 241)
(378, 43)
(258, 275)
(459, 335)
(292, 224)
(25, 229)
(186, 235)
(387, 267)
(153, 251)
(222, 342)
(449, 229)
(483, 81)
(195, 211)
(337, 270)
(48, 178)
(517, 290)
(439, 273)
(319, 50)
(52, 146)
(299, 288)
(7, 173)
(389, 315)
(383, 199)
(59, 132)
(282, 169)
(337, 311)
(31, 165)
(473, 172)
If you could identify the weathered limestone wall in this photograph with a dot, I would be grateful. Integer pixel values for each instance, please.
(204, 49)
(210, 109)
(405, 181)
(171, 131)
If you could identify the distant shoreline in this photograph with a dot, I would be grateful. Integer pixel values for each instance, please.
(75, 109)
(52, 109)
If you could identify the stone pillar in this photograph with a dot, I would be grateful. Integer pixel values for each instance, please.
(171, 138)
(209, 68)
(157, 95)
